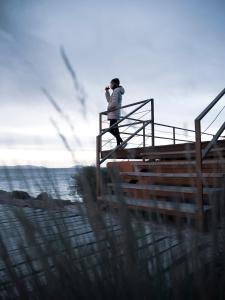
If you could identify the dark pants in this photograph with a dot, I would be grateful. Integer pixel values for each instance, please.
(115, 132)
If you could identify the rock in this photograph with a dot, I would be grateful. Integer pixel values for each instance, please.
(5, 195)
(43, 196)
(3, 192)
(67, 202)
(20, 195)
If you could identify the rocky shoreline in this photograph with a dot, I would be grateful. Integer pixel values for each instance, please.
(23, 199)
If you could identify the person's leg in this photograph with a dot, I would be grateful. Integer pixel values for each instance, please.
(115, 132)
(117, 135)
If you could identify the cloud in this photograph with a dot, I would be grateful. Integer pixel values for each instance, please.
(172, 51)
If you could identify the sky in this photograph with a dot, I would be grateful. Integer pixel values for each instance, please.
(172, 51)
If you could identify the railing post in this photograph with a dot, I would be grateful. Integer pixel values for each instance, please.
(174, 135)
(100, 123)
(98, 157)
(152, 122)
(199, 185)
(143, 159)
(144, 134)
(200, 155)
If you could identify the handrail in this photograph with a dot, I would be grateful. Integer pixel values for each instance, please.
(180, 128)
(99, 161)
(127, 140)
(201, 154)
(162, 137)
(164, 125)
(125, 125)
(213, 141)
(210, 106)
(143, 103)
(128, 105)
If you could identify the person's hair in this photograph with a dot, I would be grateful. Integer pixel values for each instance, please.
(116, 81)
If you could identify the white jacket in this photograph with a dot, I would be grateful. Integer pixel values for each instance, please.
(114, 102)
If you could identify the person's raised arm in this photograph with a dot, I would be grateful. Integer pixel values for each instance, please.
(107, 94)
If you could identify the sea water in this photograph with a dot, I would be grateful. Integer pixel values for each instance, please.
(58, 182)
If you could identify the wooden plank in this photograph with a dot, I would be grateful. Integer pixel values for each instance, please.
(171, 180)
(214, 153)
(179, 152)
(176, 175)
(161, 205)
(177, 162)
(147, 191)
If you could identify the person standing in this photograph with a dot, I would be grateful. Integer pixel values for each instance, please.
(113, 110)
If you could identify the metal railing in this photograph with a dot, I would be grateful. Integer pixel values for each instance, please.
(175, 133)
(201, 154)
(102, 132)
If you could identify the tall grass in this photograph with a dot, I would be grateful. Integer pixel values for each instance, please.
(84, 252)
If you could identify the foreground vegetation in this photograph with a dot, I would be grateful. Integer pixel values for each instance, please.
(107, 255)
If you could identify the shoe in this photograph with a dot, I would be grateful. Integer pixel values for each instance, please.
(122, 147)
(119, 142)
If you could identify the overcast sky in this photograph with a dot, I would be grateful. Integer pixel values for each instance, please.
(172, 51)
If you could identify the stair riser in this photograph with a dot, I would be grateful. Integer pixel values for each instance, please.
(167, 212)
(142, 208)
(181, 156)
(146, 194)
(154, 167)
(178, 169)
(208, 182)
(179, 199)
(139, 154)
(162, 211)
(121, 166)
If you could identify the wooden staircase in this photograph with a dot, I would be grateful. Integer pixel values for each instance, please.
(184, 178)
(164, 181)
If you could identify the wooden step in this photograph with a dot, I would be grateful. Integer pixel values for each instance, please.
(162, 206)
(213, 175)
(147, 191)
(136, 153)
(185, 179)
(183, 154)
(179, 162)
(178, 166)
(174, 166)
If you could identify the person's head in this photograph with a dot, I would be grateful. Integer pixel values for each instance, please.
(115, 82)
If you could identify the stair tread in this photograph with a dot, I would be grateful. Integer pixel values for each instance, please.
(175, 162)
(132, 153)
(161, 204)
(176, 175)
(167, 188)
(178, 152)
